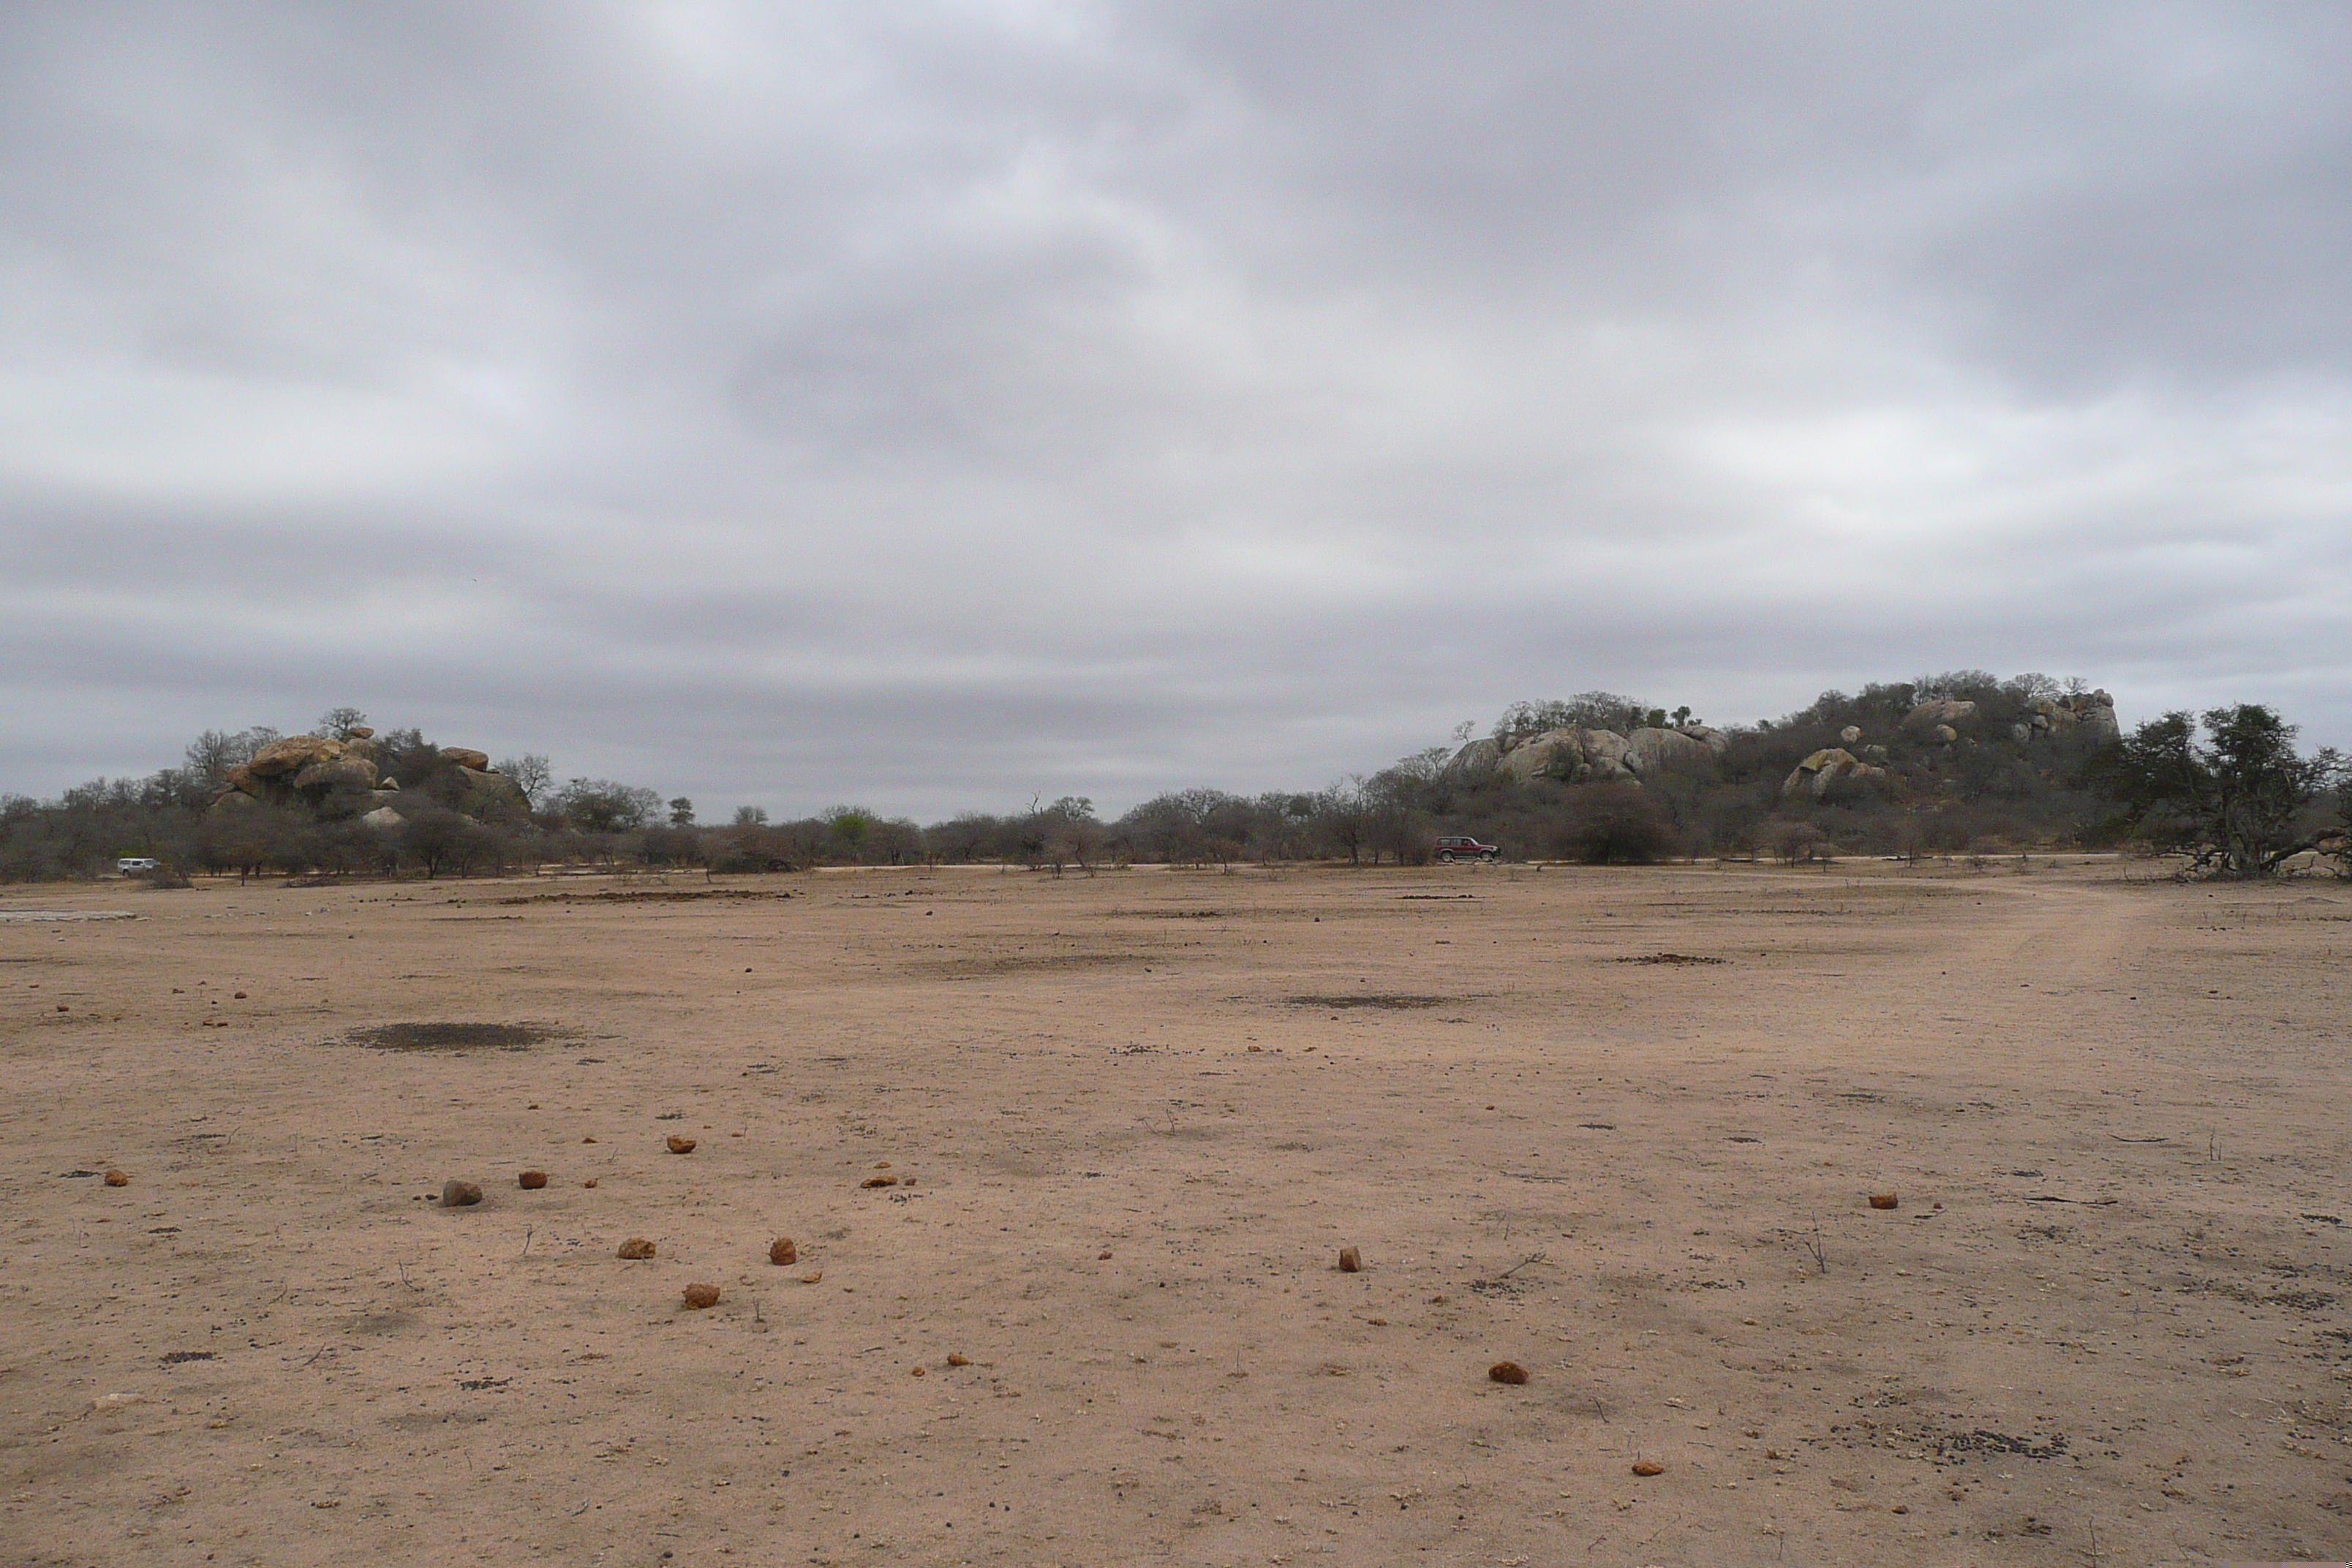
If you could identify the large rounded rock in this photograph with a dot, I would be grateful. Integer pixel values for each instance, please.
(383, 819)
(343, 773)
(1477, 757)
(1555, 754)
(1947, 712)
(490, 798)
(292, 754)
(1816, 772)
(1606, 752)
(466, 757)
(1651, 750)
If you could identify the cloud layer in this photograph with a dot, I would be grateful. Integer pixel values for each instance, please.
(931, 405)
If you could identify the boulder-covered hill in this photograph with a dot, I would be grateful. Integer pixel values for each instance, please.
(1928, 747)
(351, 777)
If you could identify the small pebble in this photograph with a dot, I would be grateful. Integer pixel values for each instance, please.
(918, 1371)
(533, 1180)
(699, 1295)
(1104, 1256)
(460, 1195)
(678, 1145)
(118, 1178)
(1885, 1201)
(1648, 1467)
(1350, 1260)
(879, 1182)
(589, 1183)
(812, 1278)
(238, 997)
(636, 1248)
(782, 1251)
(1507, 1372)
(956, 1358)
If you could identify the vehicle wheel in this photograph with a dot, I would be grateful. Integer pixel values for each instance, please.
(1490, 859)
(1445, 857)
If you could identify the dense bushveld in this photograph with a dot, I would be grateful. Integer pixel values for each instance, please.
(2234, 794)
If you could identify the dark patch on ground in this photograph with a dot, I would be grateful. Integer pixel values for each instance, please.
(1390, 1001)
(646, 896)
(1670, 958)
(448, 1037)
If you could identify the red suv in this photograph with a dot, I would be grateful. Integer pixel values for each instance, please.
(1458, 847)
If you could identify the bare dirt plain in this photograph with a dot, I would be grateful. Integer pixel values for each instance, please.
(1135, 1117)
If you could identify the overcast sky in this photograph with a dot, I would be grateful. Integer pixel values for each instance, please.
(932, 404)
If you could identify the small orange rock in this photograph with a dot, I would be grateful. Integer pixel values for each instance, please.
(460, 1195)
(117, 1179)
(879, 1182)
(957, 1358)
(812, 1278)
(1350, 1260)
(782, 1251)
(534, 1180)
(881, 1165)
(1648, 1467)
(589, 1183)
(1507, 1372)
(238, 997)
(678, 1145)
(700, 1295)
(636, 1248)
(1885, 1201)
(918, 1371)
(587, 1140)
(63, 1008)
(1104, 1256)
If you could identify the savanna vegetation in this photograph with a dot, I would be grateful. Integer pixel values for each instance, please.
(2227, 790)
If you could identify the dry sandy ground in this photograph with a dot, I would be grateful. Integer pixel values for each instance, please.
(2106, 1326)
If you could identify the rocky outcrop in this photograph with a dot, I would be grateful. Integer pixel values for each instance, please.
(343, 773)
(1850, 734)
(491, 797)
(2089, 713)
(1816, 772)
(292, 754)
(1581, 756)
(385, 819)
(465, 757)
(1650, 751)
(1947, 712)
(1555, 754)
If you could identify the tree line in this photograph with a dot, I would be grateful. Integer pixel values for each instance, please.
(2228, 790)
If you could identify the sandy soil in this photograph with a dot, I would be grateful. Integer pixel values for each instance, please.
(1135, 1117)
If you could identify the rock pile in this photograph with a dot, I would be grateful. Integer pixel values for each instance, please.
(305, 770)
(1580, 756)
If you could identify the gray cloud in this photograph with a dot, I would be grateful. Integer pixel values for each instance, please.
(932, 405)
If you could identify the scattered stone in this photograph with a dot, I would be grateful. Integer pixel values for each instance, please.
(782, 1251)
(460, 1195)
(238, 997)
(532, 1180)
(587, 1140)
(700, 1295)
(106, 1402)
(916, 1373)
(879, 1182)
(881, 1165)
(115, 1178)
(1509, 1371)
(63, 1008)
(1885, 1201)
(589, 1183)
(1350, 1260)
(637, 1248)
(1104, 1256)
(813, 1279)
(678, 1145)
(956, 1358)
(1648, 1467)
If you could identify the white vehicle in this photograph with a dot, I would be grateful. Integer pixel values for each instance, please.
(132, 863)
